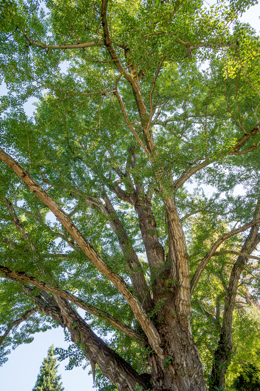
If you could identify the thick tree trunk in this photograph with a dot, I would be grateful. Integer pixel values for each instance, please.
(181, 368)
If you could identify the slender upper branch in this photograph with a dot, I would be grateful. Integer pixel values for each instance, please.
(140, 142)
(236, 253)
(25, 316)
(205, 260)
(67, 46)
(152, 91)
(235, 151)
(19, 225)
(133, 81)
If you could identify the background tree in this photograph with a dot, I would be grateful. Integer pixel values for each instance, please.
(120, 195)
(248, 379)
(47, 379)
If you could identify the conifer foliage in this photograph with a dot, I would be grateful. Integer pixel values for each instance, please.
(48, 380)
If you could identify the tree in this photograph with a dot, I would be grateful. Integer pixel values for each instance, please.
(147, 122)
(47, 379)
(248, 380)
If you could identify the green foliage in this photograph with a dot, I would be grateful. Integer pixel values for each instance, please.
(47, 379)
(248, 379)
(168, 361)
(79, 147)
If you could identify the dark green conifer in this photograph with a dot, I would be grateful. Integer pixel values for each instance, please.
(47, 379)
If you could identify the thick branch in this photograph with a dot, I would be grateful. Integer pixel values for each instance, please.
(21, 276)
(242, 141)
(147, 223)
(44, 302)
(178, 256)
(136, 271)
(93, 256)
(118, 371)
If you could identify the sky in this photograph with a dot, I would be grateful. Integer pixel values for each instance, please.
(21, 370)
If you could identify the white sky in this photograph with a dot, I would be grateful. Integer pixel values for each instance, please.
(21, 370)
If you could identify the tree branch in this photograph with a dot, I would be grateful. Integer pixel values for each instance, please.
(19, 225)
(25, 316)
(67, 46)
(117, 370)
(94, 257)
(140, 142)
(221, 357)
(133, 81)
(21, 276)
(151, 93)
(189, 172)
(205, 260)
(246, 136)
(136, 271)
(236, 253)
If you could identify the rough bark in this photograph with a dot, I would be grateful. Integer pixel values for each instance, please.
(179, 261)
(147, 223)
(181, 369)
(121, 374)
(118, 371)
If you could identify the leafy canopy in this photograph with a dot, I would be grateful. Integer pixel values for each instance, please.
(173, 111)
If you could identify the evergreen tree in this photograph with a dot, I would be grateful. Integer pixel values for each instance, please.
(47, 379)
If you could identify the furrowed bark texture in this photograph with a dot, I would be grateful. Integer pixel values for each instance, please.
(178, 255)
(147, 223)
(222, 354)
(181, 369)
(118, 371)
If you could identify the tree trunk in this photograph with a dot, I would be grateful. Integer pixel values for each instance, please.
(181, 368)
